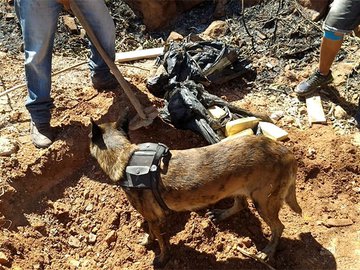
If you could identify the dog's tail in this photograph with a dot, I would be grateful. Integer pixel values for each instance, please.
(291, 196)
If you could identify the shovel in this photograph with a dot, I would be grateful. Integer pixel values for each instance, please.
(145, 115)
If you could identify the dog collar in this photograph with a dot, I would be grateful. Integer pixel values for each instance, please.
(143, 170)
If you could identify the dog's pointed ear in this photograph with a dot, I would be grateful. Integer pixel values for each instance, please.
(123, 121)
(96, 132)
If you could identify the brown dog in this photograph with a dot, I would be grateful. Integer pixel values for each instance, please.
(251, 166)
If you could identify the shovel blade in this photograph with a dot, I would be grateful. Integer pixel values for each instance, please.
(137, 122)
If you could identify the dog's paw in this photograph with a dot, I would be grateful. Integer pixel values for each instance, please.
(262, 256)
(161, 262)
(215, 215)
(266, 255)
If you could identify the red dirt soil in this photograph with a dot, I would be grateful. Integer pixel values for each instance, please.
(59, 211)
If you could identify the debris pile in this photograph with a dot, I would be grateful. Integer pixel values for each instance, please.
(278, 37)
(181, 75)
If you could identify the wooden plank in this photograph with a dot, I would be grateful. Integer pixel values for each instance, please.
(138, 54)
(315, 110)
(272, 131)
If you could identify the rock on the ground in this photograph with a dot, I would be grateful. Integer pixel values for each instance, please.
(340, 113)
(110, 237)
(74, 242)
(317, 8)
(215, 30)
(7, 146)
(92, 238)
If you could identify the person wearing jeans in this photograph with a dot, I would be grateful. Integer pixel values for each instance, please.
(343, 17)
(38, 20)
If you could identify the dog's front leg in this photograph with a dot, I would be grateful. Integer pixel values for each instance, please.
(164, 255)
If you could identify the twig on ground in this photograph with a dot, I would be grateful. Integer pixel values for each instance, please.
(6, 92)
(276, 20)
(246, 29)
(54, 74)
(256, 258)
(297, 7)
(4, 87)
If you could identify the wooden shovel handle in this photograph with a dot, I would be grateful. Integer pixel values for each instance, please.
(123, 83)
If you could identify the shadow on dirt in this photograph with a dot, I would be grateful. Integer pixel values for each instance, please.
(312, 256)
(302, 253)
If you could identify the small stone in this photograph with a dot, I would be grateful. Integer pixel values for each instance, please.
(86, 193)
(311, 153)
(110, 237)
(74, 242)
(246, 242)
(92, 238)
(37, 266)
(70, 24)
(89, 207)
(356, 139)
(288, 120)
(37, 224)
(340, 113)
(215, 30)
(205, 223)
(95, 229)
(7, 147)
(174, 36)
(3, 258)
(2, 55)
(277, 115)
(74, 263)
(303, 110)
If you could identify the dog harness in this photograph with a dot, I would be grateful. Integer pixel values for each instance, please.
(142, 171)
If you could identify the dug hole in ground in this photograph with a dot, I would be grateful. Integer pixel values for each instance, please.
(59, 211)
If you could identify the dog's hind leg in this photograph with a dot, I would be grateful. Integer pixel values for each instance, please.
(268, 208)
(164, 256)
(217, 215)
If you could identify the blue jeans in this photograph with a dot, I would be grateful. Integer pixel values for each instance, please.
(38, 20)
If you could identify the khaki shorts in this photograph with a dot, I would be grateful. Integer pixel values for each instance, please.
(343, 17)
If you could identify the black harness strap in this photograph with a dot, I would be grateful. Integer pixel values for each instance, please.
(161, 151)
(143, 170)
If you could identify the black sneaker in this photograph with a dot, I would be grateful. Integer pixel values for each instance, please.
(104, 81)
(312, 83)
(42, 135)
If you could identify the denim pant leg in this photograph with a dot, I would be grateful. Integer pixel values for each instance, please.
(38, 19)
(98, 16)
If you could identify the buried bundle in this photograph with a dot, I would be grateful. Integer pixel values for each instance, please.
(182, 74)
